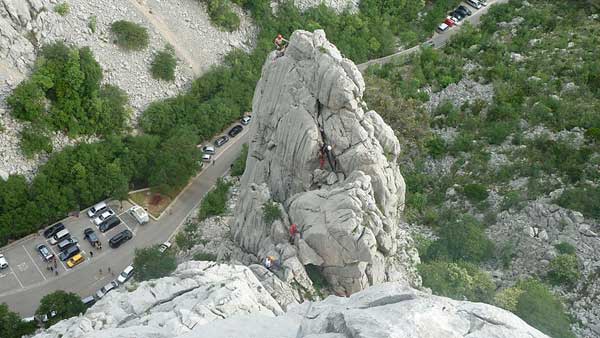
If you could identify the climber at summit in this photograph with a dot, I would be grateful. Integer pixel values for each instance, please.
(280, 44)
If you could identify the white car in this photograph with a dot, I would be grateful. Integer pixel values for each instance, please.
(206, 158)
(164, 247)
(474, 3)
(3, 262)
(104, 216)
(139, 214)
(246, 120)
(125, 275)
(208, 150)
(442, 27)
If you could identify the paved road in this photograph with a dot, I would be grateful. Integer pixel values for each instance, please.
(86, 278)
(438, 40)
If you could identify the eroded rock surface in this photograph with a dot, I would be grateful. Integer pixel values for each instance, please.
(347, 201)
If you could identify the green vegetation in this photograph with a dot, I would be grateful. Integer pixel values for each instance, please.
(66, 305)
(92, 23)
(271, 212)
(215, 201)
(34, 141)
(62, 9)
(475, 192)
(151, 263)
(564, 269)
(204, 256)
(239, 166)
(69, 79)
(315, 274)
(457, 280)
(163, 65)
(565, 248)
(583, 198)
(130, 35)
(12, 326)
(221, 15)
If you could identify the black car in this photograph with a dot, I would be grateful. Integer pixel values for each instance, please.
(221, 141)
(235, 130)
(68, 253)
(120, 238)
(51, 231)
(109, 224)
(90, 236)
(464, 9)
(459, 15)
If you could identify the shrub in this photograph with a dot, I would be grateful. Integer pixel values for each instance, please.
(593, 134)
(92, 23)
(204, 256)
(239, 166)
(540, 309)
(62, 9)
(271, 212)
(565, 248)
(457, 280)
(512, 200)
(129, 35)
(66, 305)
(27, 101)
(564, 269)
(475, 192)
(584, 198)
(315, 274)
(506, 254)
(220, 14)
(163, 65)
(184, 240)
(215, 201)
(508, 298)
(436, 147)
(34, 141)
(151, 263)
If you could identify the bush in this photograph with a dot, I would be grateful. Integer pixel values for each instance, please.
(62, 9)
(506, 254)
(221, 15)
(27, 101)
(184, 241)
(163, 65)
(151, 263)
(205, 256)
(215, 201)
(512, 200)
(436, 147)
(271, 212)
(129, 35)
(584, 198)
(315, 274)
(475, 192)
(508, 298)
(565, 248)
(34, 141)
(457, 280)
(239, 166)
(540, 309)
(92, 23)
(564, 269)
(12, 326)
(65, 304)
(461, 240)
(593, 134)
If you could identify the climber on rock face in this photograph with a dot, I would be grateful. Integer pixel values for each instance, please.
(280, 44)
(293, 232)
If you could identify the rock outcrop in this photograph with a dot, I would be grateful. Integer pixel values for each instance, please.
(205, 300)
(346, 201)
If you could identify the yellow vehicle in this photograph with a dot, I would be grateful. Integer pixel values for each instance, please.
(75, 260)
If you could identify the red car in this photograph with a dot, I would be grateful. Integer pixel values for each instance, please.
(449, 22)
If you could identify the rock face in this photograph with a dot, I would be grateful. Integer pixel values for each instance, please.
(204, 300)
(346, 202)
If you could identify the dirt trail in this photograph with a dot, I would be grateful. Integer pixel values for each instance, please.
(167, 34)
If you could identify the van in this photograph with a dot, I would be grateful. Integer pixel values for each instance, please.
(88, 301)
(78, 258)
(63, 234)
(70, 252)
(139, 214)
(96, 209)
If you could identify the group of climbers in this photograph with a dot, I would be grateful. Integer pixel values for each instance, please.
(273, 263)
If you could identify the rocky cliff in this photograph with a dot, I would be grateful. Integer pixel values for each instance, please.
(204, 299)
(346, 201)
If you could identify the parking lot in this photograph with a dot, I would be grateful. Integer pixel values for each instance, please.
(27, 267)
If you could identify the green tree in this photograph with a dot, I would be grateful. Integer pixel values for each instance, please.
(457, 280)
(11, 324)
(215, 202)
(34, 141)
(163, 65)
(66, 305)
(239, 166)
(151, 263)
(27, 101)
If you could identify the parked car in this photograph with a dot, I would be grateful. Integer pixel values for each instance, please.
(164, 247)
(91, 236)
(59, 236)
(44, 318)
(208, 150)
(449, 22)
(474, 3)
(246, 120)
(140, 214)
(125, 275)
(221, 141)
(104, 216)
(45, 252)
(483, 2)
(457, 16)
(109, 224)
(235, 130)
(78, 258)
(206, 158)
(464, 9)
(51, 231)
(88, 301)
(120, 238)
(106, 288)
(67, 243)
(69, 252)
(442, 27)
(3, 262)
(97, 209)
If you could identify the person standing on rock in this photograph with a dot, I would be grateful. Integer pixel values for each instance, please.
(280, 44)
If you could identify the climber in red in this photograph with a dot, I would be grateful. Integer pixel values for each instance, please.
(280, 44)
(321, 159)
(293, 232)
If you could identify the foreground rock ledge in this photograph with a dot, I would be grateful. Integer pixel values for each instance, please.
(347, 205)
(208, 300)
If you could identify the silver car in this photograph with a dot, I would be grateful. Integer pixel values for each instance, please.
(106, 288)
